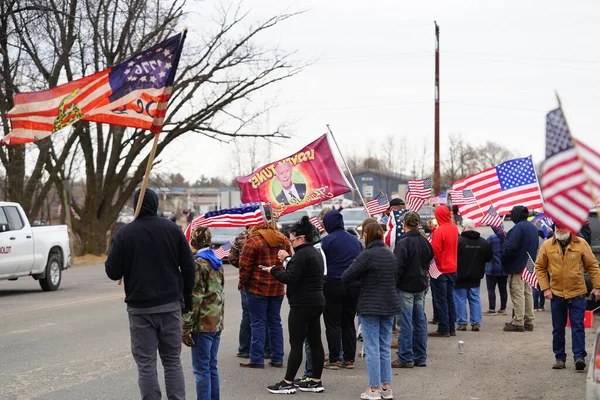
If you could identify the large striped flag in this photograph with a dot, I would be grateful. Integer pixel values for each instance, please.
(491, 218)
(434, 272)
(419, 191)
(570, 174)
(378, 205)
(528, 274)
(509, 184)
(134, 93)
(394, 228)
(223, 251)
(243, 215)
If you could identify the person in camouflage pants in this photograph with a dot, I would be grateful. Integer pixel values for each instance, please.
(245, 335)
(203, 325)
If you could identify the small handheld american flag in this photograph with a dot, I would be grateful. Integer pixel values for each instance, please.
(378, 205)
(223, 251)
(419, 191)
(434, 272)
(528, 274)
(315, 221)
(462, 197)
(491, 218)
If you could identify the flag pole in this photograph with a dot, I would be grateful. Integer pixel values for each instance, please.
(149, 165)
(348, 169)
(579, 157)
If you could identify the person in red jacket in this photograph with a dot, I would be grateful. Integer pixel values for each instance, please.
(445, 249)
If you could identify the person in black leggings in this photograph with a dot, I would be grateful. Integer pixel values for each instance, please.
(303, 275)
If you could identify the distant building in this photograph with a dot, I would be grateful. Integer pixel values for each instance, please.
(370, 182)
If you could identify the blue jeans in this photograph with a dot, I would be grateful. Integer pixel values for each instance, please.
(245, 336)
(204, 362)
(443, 299)
(538, 298)
(576, 309)
(308, 366)
(377, 337)
(461, 296)
(265, 311)
(412, 334)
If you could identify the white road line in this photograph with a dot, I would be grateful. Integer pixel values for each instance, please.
(71, 303)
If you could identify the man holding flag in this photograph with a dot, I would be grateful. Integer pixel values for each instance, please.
(520, 243)
(559, 269)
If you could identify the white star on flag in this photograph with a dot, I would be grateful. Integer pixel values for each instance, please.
(143, 79)
(152, 79)
(166, 52)
(162, 74)
(130, 64)
(127, 71)
(168, 65)
(159, 50)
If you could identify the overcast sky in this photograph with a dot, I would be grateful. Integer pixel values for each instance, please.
(501, 63)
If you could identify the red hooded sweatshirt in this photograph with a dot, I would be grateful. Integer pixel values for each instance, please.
(445, 242)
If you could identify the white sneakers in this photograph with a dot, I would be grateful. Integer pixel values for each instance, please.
(380, 394)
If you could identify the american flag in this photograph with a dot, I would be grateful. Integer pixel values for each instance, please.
(378, 205)
(509, 184)
(491, 218)
(528, 274)
(243, 215)
(394, 228)
(570, 174)
(462, 197)
(134, 93)
(315, 221)
(434, 272)
(223, 251)
(419, 191)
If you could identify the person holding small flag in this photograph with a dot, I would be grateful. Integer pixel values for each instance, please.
(520, 243)
(560, 269)
(203, 325)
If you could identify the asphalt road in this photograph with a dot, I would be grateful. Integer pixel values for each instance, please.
(74, 344)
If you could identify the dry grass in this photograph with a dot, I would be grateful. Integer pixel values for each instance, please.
(88, 258)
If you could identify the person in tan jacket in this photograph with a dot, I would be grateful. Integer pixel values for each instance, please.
(560, 267)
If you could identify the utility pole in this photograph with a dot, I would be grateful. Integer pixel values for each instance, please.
(436, 156)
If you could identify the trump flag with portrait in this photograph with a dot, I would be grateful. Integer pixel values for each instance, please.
(309, 176)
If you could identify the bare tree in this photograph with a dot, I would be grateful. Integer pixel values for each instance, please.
(218, 74)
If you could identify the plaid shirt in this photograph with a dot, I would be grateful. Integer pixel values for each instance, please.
(495, 266)
(256, 251)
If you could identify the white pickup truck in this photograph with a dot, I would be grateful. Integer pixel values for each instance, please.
(39, 251)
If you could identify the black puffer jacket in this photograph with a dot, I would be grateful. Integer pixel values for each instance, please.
(376, 269)
(303, 276)
(414, 254)
(473, 252)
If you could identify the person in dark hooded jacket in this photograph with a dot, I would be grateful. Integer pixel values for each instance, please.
(520, 243)
(341, 249)
(154, 259)
(473, 252)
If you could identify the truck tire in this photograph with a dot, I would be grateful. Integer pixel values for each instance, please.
(53, 277)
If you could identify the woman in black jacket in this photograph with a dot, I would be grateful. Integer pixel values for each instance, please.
(303, 276)
(376, 268)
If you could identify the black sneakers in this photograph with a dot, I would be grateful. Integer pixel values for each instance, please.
(310, 386)
(282, 388)
(579, 365)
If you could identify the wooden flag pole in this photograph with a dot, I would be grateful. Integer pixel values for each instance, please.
(149, 165)
(348, 169)
(579, 157)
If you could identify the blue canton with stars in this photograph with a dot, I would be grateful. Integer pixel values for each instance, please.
(515, 173)
(398, 216)
(558, 138)
(152, 69)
